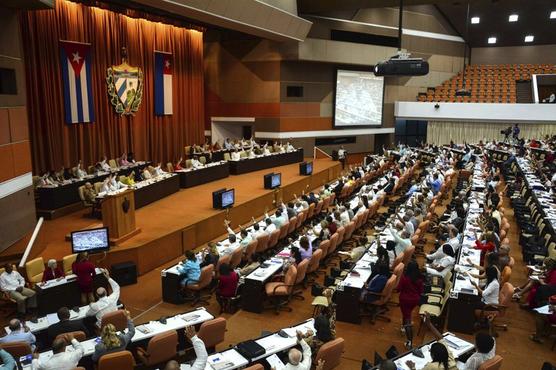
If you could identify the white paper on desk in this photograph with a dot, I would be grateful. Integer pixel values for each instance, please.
(145, 329)
(292, 332)
(544, 310)
(52, 318)
(220, 363)
(418, 361)
(275, 362)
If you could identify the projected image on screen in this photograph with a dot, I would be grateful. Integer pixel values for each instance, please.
(358, 99)
(88, 240)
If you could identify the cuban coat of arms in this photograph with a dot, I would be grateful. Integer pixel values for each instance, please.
(125, 87)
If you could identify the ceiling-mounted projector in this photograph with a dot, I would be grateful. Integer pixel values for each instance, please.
(402, 65)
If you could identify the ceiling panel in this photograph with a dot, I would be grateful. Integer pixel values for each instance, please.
(534, 19)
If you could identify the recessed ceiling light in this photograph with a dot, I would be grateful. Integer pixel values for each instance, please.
(513, 18)
(553, 14)
(529, 38)
(476, 20)
(492, 40)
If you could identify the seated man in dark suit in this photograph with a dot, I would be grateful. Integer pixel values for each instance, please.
(65, 325)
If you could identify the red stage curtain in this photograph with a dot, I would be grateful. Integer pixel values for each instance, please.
(158, 138)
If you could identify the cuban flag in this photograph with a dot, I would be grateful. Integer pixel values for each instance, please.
(75, 60)
(163, 65)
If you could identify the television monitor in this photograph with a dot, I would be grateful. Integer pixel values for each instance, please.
(90, 241)
(216, 198)
(268, 180)
(272, 180)
(276, 180)
(306, 168)
(227, 198)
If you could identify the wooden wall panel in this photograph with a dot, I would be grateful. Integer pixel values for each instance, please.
(21, 158)
(19, 129)
(5, 136)
(189, 239)
(305, 123)
(7, 162)
(220, 109)
(303, 109)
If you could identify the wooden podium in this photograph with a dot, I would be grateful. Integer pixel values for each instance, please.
(118, 214)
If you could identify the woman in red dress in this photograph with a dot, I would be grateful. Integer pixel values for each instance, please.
(410, 288)
(85, 271)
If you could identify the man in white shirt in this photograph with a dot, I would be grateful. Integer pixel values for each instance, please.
(344, 216)
(257, 230)
(146, 174)
(115, 184)
(106, 303)
(158, 170)
(201, 354)
(486, 349)
(297, 359)
(278, 219)
(60, 359)
(104, 165)
(444, 264)
(79, 172)
(270, 227)
(407, 224)
(454, 239)
(106, 186)
(195, 163)
(235, 156)
(228, 145)
(13, 284)
(402, 240)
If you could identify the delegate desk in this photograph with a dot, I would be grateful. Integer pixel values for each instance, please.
(53, 197)
(64, 293)
(253, 291)
(273, 344)
(456, 345)
(464, 296)
(545, 202)
(149, 191)
(40, 327)
(196, 176)
(349, 290)
(217, 155)
(246, 165)
(143, 333)
(171, 278)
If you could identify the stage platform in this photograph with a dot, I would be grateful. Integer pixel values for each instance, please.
(183, 220)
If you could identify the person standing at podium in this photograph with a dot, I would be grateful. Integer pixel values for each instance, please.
(85, 271)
